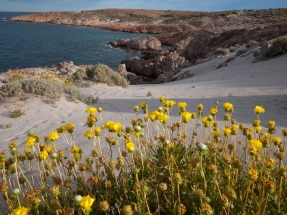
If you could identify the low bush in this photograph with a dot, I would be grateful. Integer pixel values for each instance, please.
(251, 43)
(221, 51)
(50, 91)
(240, 52)
(152, 166)
(256, 53)
(103, 74)
(278, 47)
(79, 75)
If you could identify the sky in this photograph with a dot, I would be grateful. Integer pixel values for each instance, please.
(189, 5)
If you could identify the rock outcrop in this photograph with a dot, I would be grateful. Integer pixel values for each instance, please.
(158, 67)
(141, 44)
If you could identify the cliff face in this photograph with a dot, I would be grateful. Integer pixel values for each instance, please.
(158, 22)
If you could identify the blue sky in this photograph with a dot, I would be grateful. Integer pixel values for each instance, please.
(191, 5)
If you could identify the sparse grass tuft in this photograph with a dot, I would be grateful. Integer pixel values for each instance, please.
(149, 94)
(17, 110)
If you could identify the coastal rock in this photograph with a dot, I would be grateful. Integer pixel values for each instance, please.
(131, 77)
(145, 43)
(164, 63)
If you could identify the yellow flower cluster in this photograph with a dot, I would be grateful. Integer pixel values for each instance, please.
(186, 116)
(113, 126)
(228, 107)
(157, 115)
(207, 121)
(56, 78)
(168, 103)
(89, 134)
(253, 174)
(30, 141)
(256, 145)
(86, 203)
(259, 109)
(43, 155)
(20, 211)
(91, 111)
(213, 111)
(69, 127)
(53, 136)
(130, 146)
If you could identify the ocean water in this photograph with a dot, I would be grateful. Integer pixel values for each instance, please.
(24, 45)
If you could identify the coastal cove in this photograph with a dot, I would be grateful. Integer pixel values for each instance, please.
(25, 45)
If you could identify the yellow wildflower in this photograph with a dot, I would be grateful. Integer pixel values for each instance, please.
(228, 107)
(234, 129)
(276, 140)
(271, 123)
(97, 131)
(70, 127)
(207, 121)
(256, 123)
(53, 136)
(216, 134)
(61, 129)
(213, 111)
(255, 145)
(30, 141)
(253, 174)
(91, 120)
(76, 149)
(48, 148)
(91, 110)
(259, 109)
(270, 162)
(186, 116)
(153, 115)
(181, 105)
(86, 203)
(88, 134)
(130, 146)
(226, 131)
(200, 107)
(161, 99)
(43, 155)
(267, 135)
(168, 103)
(20, 211)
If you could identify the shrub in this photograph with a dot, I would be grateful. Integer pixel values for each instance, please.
(256, 53)
(241, 52)
(251, 43)
(80, 74)
(221, 51)
(15, 75)
(152, 166)
(104, 74)
(278, 47)
(50, 91)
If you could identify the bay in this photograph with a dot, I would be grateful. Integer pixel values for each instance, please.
(25, 45)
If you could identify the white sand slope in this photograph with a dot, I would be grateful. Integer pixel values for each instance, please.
(241, 82)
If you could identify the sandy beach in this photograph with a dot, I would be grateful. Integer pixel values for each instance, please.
(241, 82)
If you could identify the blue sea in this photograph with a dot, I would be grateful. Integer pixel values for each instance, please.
(24, 45)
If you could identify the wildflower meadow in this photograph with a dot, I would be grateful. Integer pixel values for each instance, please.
(156, 165)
